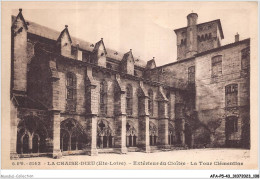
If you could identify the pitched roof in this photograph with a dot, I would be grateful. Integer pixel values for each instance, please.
(52, 34)
(126, 55)
(150, 64)
(97, 45)
(62, 32)
(23, 101)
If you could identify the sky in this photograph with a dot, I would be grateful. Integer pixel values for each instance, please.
(145, 27)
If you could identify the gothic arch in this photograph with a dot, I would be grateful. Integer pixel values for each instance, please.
(131, 134)
(105, 134)
(72, 135)
(153, 132)
(28, 128)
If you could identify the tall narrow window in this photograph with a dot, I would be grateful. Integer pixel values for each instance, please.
(150, 102)
(216, 66)
(191, 75)
(231, 95)
(129, 100)
(245, 55)
(71, 92)
(103, 98)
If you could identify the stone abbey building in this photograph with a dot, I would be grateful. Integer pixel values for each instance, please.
(69, 96)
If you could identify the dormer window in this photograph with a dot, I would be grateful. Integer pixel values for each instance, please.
(109, 66)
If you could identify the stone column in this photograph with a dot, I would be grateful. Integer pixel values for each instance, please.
(91, 112)
(30, 141)
(14, 123)
(183, 132)
(120, 116)
(144, 137)
(92, 136)
(143, 125)
(56, 135)
(120, 134)
(163, 123)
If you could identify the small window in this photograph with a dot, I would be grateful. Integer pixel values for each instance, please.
(109, 66)
(216, 66)
(210, 36)
(231, 92)
(191, 75)
(183, 41)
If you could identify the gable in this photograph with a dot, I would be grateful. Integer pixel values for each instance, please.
(19, 18)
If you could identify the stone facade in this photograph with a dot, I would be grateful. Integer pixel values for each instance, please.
(73, 97)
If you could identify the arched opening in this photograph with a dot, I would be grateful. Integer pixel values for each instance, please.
(105, 137)
(31, 136)
(72, 136)
(153, 133)
(131, 136)
(25, 144)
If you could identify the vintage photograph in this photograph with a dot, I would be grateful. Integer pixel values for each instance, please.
(147, 81)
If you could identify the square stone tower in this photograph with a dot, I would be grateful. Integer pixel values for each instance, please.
(197, 38)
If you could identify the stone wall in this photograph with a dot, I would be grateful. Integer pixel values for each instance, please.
(210, 92)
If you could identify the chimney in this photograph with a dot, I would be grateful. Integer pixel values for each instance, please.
(192, 19)
(237, 37)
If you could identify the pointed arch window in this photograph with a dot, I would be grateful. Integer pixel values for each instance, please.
(131, 136)
(153, 132)
(103, 98)
(71, 83)
(150, 102)
(72, 135)
(129, 100)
